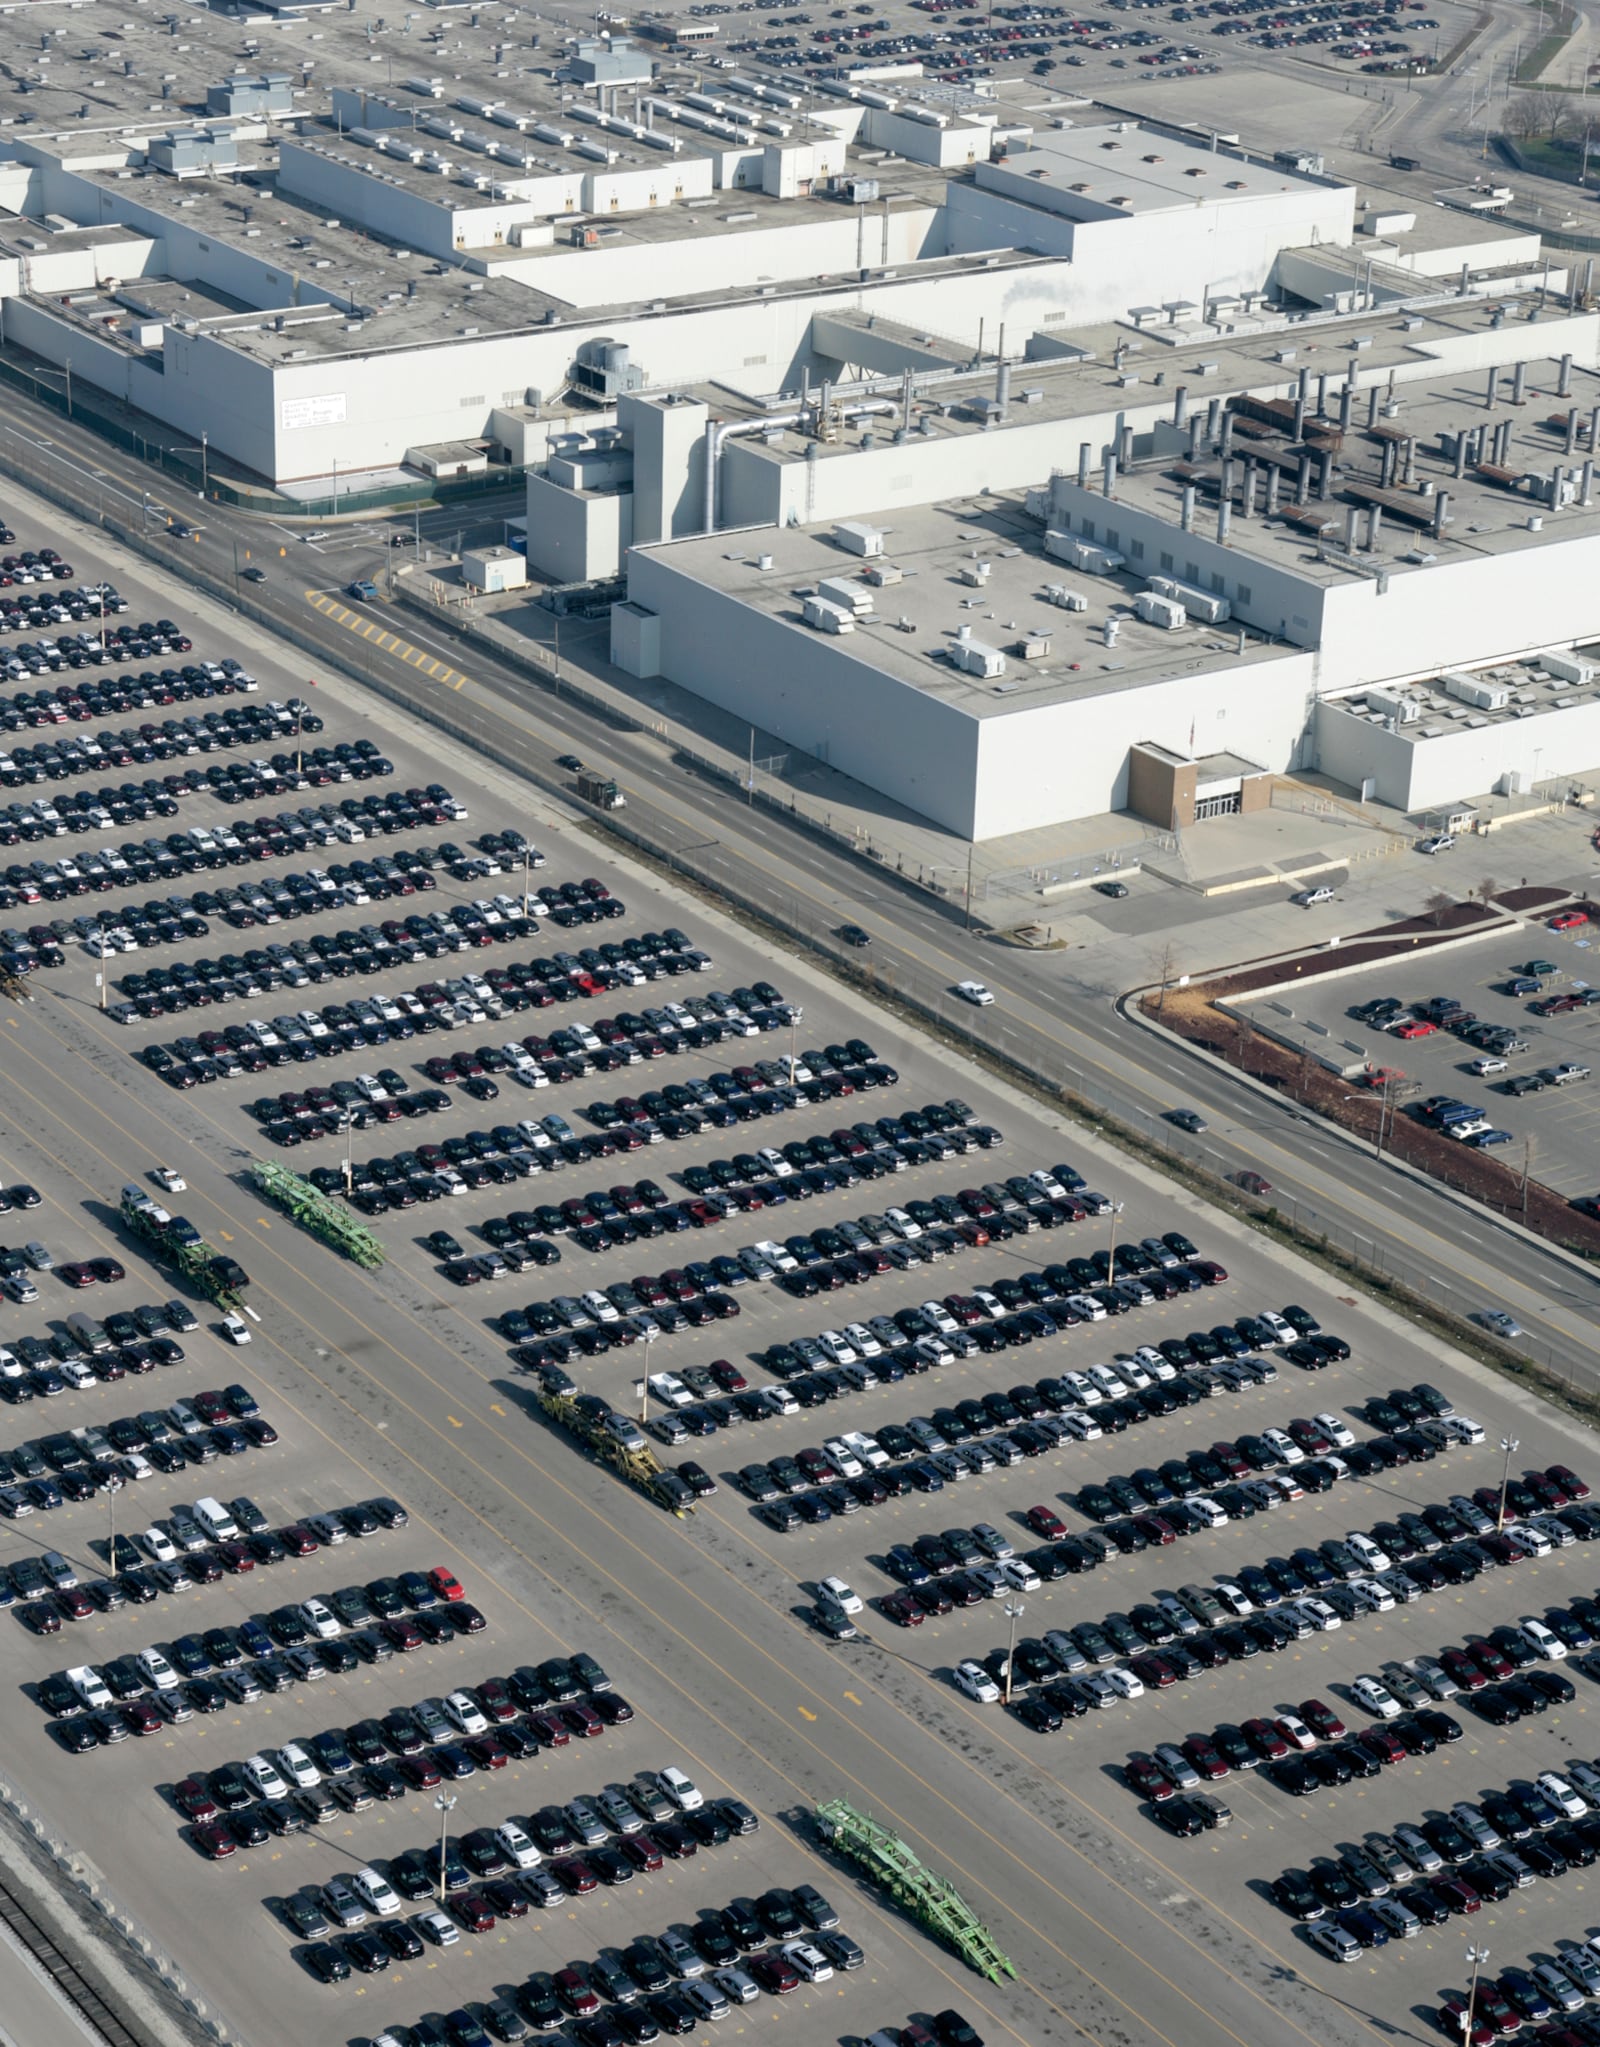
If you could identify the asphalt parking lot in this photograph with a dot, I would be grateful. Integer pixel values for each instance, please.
(1561, 1120)
(398, 1383)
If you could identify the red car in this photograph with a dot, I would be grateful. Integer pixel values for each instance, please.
(422, 1771)
(1569, 1481)
(1202, 1752)
(472, 1909)
(194, 1801)
(446, 1583)
(1045, 1523)
(1147, 1778)
(298, 1541)
(1457, 1894)
(486, 1752)
(1462, 1668)
(1492, 2007)
(775, 1975)
(142, 1717)
(1414, 1027)
(1265, 1739)
(642, 1852)
(727, 1376)
(575, 1876)
(1492, 1661)
(77, 1274)
(1156, 1528)
(108, 1270)
(214, 1840)
(901, 1607)
(1568, 920)
(1153, 1671)
(1211, 1273)
(1230, 1460)
(1322, 1720)
(1381, 1745)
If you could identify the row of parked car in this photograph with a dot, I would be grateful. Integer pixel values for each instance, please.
(78, 1464)
(672, 1982)
(927, 1452)
(1200, 1627)
(1453, 1863)
(197, 1559)
(134, 863)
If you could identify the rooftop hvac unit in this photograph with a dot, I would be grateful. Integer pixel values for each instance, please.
(1082, 554)
(1165, 612)
(824, 617)
(1474, 690)
(1403, 710)
(851, 597)
(1198, 603)
(973, 657)
(1065, 599)
(1567, 667)
(856, 538)
(1032, 647)
(882, 574)
(975, 574)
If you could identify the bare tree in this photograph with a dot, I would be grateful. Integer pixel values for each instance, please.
(1530, 1151)
(1486, 890)
(1165, 968)
(1439, 905)
(1522, 116)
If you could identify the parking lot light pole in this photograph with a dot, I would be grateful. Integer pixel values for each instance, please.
(349, 1142)
(642, 1388)
(1477, 1956)
(1111, 1248)
(444, 1805)
(1014, 1610)
(527, 865)
(1510, 1446)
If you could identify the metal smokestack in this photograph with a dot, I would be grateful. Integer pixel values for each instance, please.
(1519, 379)
(1302, 487)
(1108, 474)
(1084, 452)
(1493, 391)
(1564, 388)
(1186, 519)
(1224, 521)
(1441, 513)
(1180, 406)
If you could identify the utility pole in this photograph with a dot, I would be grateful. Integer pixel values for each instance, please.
(1111, 1248)
(444, 1805)
(971, 849)
(1477, 1956)
(1014, 1610)
(1510, 1446)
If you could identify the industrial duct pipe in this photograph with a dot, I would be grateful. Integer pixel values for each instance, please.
(1302, 487)
(1519, 381)
(1180, 406)
(1441, 513)
(1084, 453)
(1186, 518)
(719, 431)
(1108, 474)
(1564, 387)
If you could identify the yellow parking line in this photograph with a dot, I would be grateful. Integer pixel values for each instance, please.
(373, 633)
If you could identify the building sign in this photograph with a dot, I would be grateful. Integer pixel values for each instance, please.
(326, 410)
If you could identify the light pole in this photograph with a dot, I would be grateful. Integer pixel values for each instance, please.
(205, 461)
(642, 1388)
(527, 864)
(1510, 1446)
(349, 1142)
(1477, 1956)
(444, 1805)
(1014, 1610)
(1111, 1248)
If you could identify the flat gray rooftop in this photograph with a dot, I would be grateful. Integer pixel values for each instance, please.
(931, 547)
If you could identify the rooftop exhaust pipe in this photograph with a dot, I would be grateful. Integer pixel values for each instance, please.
(1564, 386)
(1519, 381)
(1180, 405)
(1302, 487)
(1300, 403)
(1493, 391)
(1441, 513)
(1186, 519)
(1084, 452)
(1346, 399)
(1108, 474)
(1224, 521)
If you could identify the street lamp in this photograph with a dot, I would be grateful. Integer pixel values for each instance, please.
(444, 1805)
(642, 1388)
(1014, 1610)
(1510, 1446)
(205, 461)
(1111, 1248)
(1477, 1956)
(527, 864)
(349, 1142)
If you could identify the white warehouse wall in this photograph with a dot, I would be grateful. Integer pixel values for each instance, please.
(812, 689)
(1070, 760)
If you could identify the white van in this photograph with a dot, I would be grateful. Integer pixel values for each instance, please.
(215, 1519)
(375, 1893)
